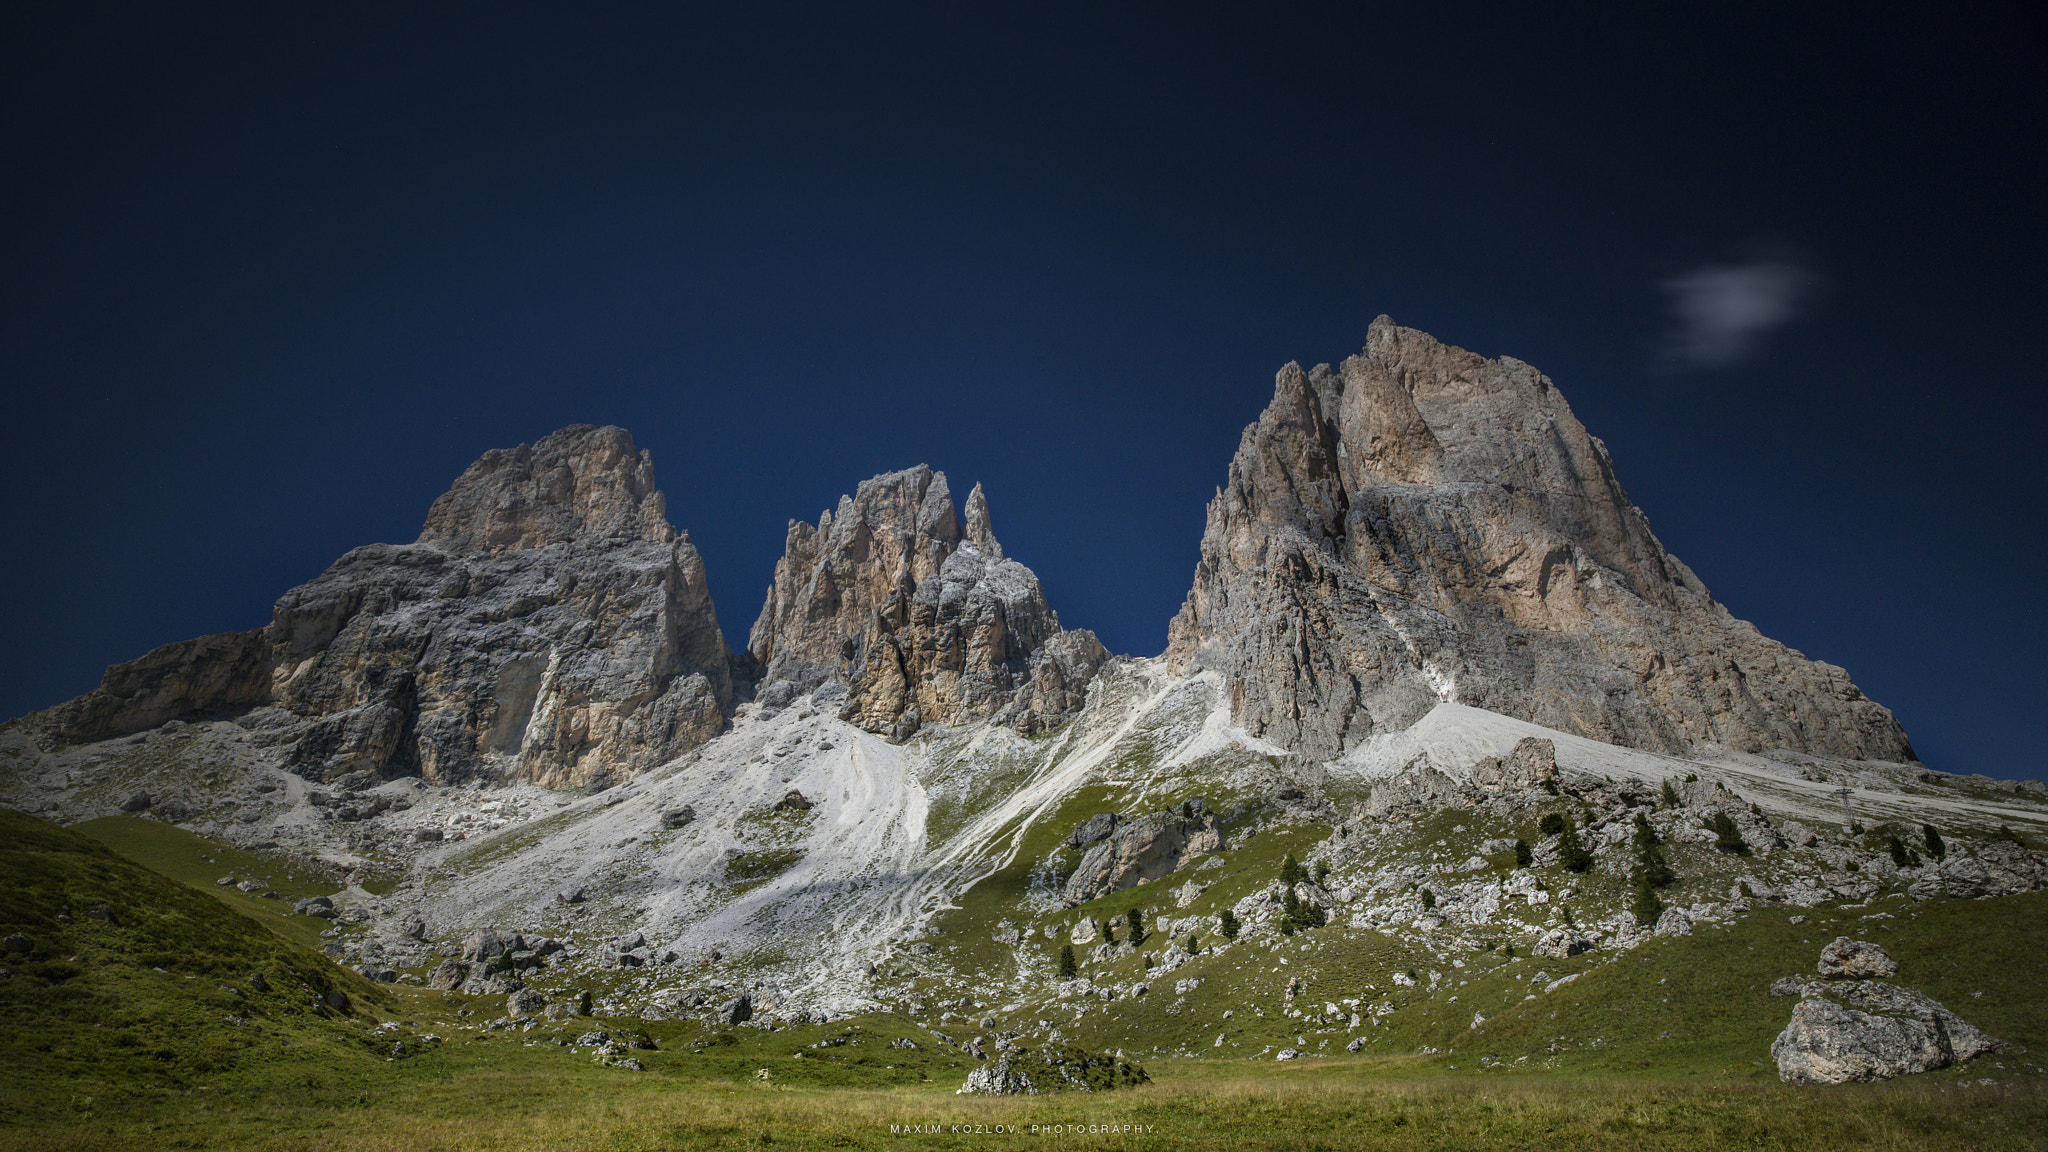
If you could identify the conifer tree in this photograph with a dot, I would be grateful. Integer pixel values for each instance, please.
(1068, 969)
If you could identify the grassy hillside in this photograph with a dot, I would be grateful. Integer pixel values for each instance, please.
(131, 979)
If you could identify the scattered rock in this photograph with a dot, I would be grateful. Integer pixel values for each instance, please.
(137, 803)
(674, 818)
(525, 1002)
(448, 974)
(1855, 960)
(1093, 829)
(793, 801)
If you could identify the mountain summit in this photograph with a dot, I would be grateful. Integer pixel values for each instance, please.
(1421, 525)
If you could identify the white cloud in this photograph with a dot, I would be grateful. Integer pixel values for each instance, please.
(1725, 309)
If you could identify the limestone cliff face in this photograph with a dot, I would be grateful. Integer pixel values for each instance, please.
(1421, 524)
(917, 617)
(548, 624)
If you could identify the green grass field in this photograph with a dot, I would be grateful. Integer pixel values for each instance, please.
(146, 1030)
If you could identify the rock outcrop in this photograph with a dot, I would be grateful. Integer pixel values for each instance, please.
(1420, 524)
(920, 619)
(1053, 1068)
(1143, 849)
(549, 624)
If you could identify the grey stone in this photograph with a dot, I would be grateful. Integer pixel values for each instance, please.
(525, 1002)
(139, 802)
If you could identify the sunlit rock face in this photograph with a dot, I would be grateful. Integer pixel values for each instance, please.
(1421, 524)
(919, 618)
(549, 624)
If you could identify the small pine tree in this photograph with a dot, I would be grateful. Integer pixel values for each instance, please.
(1192, 944)
(1670, 795)
(1068, 969)
(1692, 778)
(1746, 892)
(1428, 898)
(1290, 872)
(1646, 836)
(1570, 851)
(1322, 873)
(1508, 950)
(1899, 854)
(1137, 919)
(1727, 837)
(1187, 810)
(1148, 961)
(1227, 924)
(1549, 786)
(583, 1004)
(1935, 847)
(2006, 833)
(1552, 824)
(1108, 933)
(1647, 906)
(1524, 855)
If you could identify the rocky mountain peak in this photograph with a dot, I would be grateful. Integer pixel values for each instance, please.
(915, 619)
(583, 482)
(548, 625)
(1421, 524)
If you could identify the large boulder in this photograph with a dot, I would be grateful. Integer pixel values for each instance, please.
(1143, 849)
(1864, 1030)
(1533, 761)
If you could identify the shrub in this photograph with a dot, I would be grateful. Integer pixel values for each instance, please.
(1851, 866)
(1108, 933)
(1322, 873)
(1523, 855)
(1570, 852)
(1508, 950)
(1068, 969)
(1187, 810)
(1192, 946)
(1290, 871)
(1148, 961)
(1550, 786)
(583, 1004)
(1428, 898)
(1935, 847)
(1899, 854)
(1744, 888)
(1227, 924)
(1670, 795)
(1552, 824)
(1692, 777)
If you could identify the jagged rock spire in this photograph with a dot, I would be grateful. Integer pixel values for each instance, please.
(917, 619)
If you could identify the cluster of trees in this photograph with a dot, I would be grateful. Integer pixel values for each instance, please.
(1297, 915)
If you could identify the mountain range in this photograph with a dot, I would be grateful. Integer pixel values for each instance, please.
(1425, 618)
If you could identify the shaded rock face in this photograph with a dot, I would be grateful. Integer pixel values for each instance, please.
(549, 624)
(1421, 524)
(919, 618)
(1143, 849)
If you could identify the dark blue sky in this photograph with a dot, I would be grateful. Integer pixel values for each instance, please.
(273, 278)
